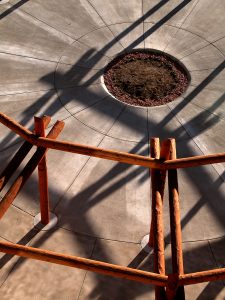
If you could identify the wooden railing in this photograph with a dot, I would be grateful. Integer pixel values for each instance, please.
(119, 156)
(163, 158)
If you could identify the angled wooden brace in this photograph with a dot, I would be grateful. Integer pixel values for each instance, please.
(28, 170)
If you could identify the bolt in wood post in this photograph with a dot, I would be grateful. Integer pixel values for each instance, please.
(42, 175)
(173, 291)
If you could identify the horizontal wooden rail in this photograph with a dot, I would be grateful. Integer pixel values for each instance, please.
(172, 281)
(84, 263)
(123, 157)
(203, 276)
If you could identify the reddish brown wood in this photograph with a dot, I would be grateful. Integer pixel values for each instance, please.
(172, 288)
(18, 158)
(173, 291)
(46, 120)
(154, 146)
(84, 263)
(14, 164)
(16, 127)
(157, 219)
(42, 175)
(128, 158)
(174, 282)
(27, 171)
(111, 154)
(204, 276)
(164, 155)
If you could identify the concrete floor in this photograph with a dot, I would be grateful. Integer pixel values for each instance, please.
(52, 54)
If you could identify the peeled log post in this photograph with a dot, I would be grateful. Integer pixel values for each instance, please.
(173, 291)
(154, 153)
(164, 155)
(157, 220)
(42, 175)
(27, 171)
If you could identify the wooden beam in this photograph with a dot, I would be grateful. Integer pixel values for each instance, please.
(203, 276)
(164, 155)
(123, 157)
(27, 171)
(173, 291)
(157, 219)
(154, 151)
(84, 263)
(40, 125)
(46, 121)
(18, 158)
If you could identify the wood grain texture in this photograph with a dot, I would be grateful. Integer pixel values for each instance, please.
(84, 263)
(40, 125)
(173, 291)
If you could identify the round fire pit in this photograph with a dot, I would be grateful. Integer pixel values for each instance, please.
(146, 78)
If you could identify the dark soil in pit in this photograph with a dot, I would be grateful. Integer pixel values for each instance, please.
(145, 78)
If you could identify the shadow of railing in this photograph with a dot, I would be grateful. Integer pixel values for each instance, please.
(116, 170)
(12, 8)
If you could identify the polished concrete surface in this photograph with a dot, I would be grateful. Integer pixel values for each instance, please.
(52, 56)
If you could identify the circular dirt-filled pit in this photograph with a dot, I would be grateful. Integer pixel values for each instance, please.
(146, 78)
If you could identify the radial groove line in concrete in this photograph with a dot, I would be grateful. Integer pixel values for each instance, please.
(102, 185)
(57, 204)
(182, 22)
(105, 23)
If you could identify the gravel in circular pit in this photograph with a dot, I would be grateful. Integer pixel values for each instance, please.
(146, 78)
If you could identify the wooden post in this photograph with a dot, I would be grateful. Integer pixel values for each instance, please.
(157, 219)
(159, 162)
(164, 155)
(42, 175)
(154, 153)
(27, 171)
(173, 291)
